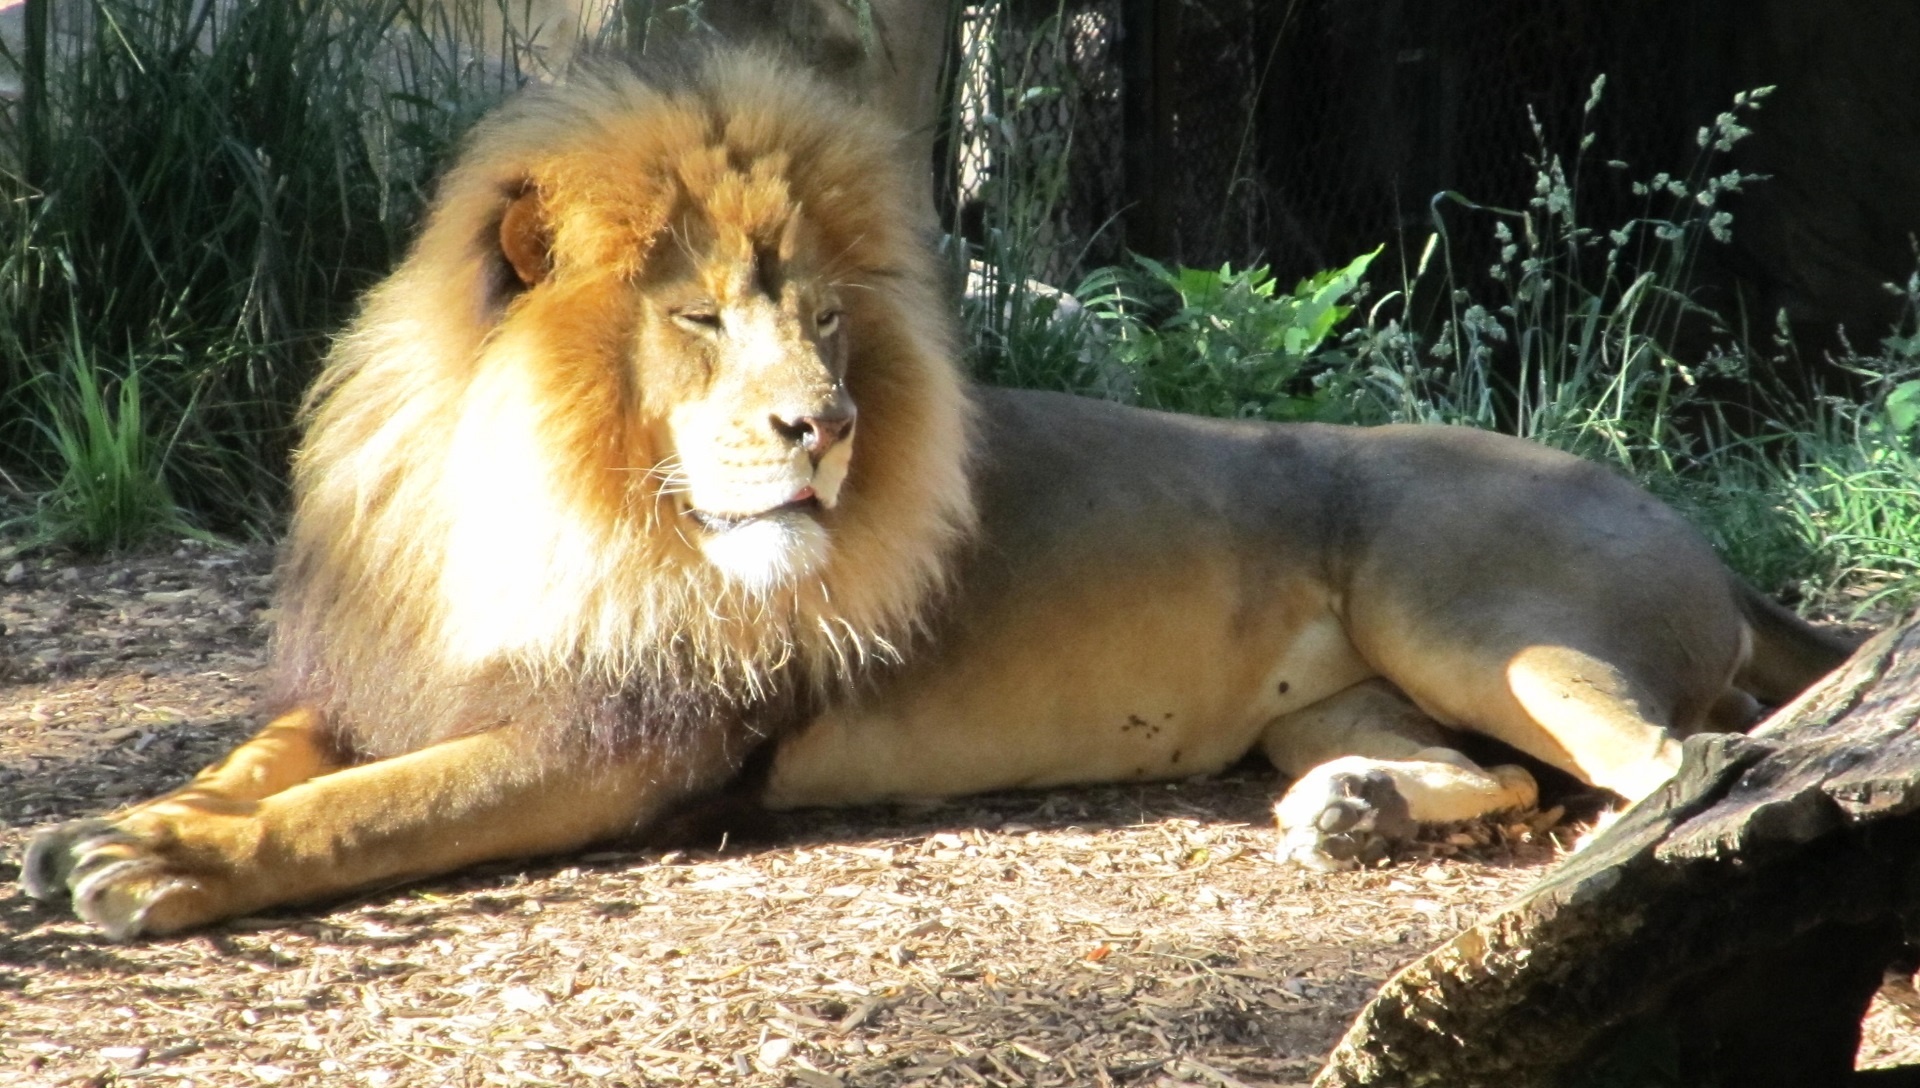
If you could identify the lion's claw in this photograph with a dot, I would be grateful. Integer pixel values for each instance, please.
(114, 880)
(47, 868)
(120, 896)
(1337, 821)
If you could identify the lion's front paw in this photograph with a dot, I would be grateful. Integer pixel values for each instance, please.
(125, 884)
(1339, 817)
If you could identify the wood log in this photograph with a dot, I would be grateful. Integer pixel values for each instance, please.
(1729, 930)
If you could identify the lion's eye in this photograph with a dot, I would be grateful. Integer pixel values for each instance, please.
(698, 319)
(827, 322)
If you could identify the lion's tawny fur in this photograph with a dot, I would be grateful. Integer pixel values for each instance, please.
(481, 528)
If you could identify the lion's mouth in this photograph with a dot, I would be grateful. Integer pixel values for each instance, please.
(805, 501)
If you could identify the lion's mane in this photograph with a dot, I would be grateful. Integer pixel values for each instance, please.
(479, 532)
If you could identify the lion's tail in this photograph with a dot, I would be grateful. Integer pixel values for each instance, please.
(1789, 654)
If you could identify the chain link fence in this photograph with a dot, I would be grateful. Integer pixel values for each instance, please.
(1294, 132)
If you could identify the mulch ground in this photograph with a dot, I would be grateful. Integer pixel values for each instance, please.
(1119, 936)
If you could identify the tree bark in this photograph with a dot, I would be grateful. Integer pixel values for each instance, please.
(892, 53)
(1729, 930)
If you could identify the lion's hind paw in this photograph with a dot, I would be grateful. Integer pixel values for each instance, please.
(115, 882)
(1338, 817)
(1354, 810)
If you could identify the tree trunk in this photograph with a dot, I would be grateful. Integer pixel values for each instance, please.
(892, 53)
(1729, 930)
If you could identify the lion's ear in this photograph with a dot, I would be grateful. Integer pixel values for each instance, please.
(524, 238)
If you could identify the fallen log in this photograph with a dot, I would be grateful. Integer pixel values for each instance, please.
(1730, 930)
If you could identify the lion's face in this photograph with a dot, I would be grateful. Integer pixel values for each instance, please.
(735, 353)
(761, 429)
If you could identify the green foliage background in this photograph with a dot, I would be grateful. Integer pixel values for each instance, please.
(196, 193)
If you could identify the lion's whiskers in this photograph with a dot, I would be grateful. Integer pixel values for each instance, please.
(668, 475)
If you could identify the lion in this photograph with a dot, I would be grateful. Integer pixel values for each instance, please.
(655, 454)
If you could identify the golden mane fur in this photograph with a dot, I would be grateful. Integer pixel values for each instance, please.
(482, 529)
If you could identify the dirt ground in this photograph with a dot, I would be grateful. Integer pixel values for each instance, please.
(1120, 936)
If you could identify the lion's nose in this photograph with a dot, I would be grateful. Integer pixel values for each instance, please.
(816, 433)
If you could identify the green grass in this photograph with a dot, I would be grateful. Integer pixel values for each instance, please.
(1568, 337)
(111, 490)
(206, 189)
(1850, 484)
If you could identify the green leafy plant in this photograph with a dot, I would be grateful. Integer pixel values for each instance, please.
(1234, 345)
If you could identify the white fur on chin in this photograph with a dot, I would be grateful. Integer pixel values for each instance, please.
(769, 552)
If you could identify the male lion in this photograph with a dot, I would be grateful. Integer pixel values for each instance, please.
(654, 450)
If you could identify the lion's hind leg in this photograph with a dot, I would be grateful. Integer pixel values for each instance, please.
(1592, 719)
(83, 858)
(1370, 769)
